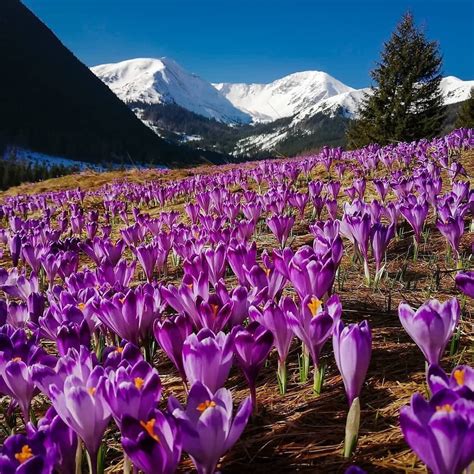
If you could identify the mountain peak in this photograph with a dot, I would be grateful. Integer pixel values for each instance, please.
(283, 97)
(163, 81)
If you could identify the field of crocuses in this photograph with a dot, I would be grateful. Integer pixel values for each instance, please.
(311, 314)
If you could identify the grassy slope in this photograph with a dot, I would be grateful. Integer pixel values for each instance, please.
(300, 431)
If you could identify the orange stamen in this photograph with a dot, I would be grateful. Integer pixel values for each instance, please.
(215, 309)
(149, 426)
(446, 408)
(205, 405)
(91, 390)
(459, 376)
(138, 381)
(16, 359)
(314, 305)
(24, 454)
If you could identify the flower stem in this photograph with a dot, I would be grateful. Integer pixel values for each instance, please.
(415, 249)
(79, 457)
(318, 378)
(92, 461)
(304, 364)
(127, 464)
(281, 376)
(352, 428)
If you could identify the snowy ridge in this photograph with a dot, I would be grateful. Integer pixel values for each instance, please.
(455, 89)
(284, 97)
(163, 81)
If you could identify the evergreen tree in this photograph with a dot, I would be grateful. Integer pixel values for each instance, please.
(406, 103)
(466, 113)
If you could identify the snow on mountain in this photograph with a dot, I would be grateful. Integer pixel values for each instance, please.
(455, 89)
(346, 104)
(284, 97)
(163, 81)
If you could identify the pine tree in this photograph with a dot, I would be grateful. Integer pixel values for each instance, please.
(406, 103)
(466, 113)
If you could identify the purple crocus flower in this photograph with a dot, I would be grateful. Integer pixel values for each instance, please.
(75, 388)
(465, 282)
(251, 348)
(240, 257)
(452, 229)
(131, 316)
(382, 187)
(81, 406)
(208, 428)
(273, 318)
(380, 236)
(18, 354)
(352, 350)
(281, 227)
(431, 326)
(461, 380)
(152, 443)
(441, 431)
(147, 256)
(73, 335)
(60, 438)
(313, 326)
(132, 390)
(14, 244)
(22, 454)
(171, 334)
(207, 358)
(415, 216)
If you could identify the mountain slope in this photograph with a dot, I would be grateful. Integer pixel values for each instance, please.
(325, 122)
(52, 103)
(283, 97)
(162, 81)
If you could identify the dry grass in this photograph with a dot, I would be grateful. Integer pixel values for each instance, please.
(300, 432)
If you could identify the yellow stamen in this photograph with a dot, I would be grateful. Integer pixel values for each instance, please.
(459, 376)
(314, 305)
(119, 349)
(447, 408)
(122, 300)
(24, 454)
(190, 286)
(81, 306)
(138, 381)
(215, 309)
(148, 426)
(91, 390)
(16, 359)
(205, 405)
(268, 271)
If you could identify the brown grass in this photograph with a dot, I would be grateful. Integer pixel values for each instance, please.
(300, 432)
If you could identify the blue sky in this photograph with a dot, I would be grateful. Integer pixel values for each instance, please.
(257, 40)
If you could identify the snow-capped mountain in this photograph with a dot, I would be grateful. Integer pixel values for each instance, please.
(300, 111)
(284, 97)
(341, 107)
(162, 81)
(454, 90)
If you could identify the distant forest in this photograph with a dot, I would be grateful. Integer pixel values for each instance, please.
(14, 172)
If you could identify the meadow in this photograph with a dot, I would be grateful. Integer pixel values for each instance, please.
(308, 314)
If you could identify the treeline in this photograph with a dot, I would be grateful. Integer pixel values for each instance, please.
(14, 172)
